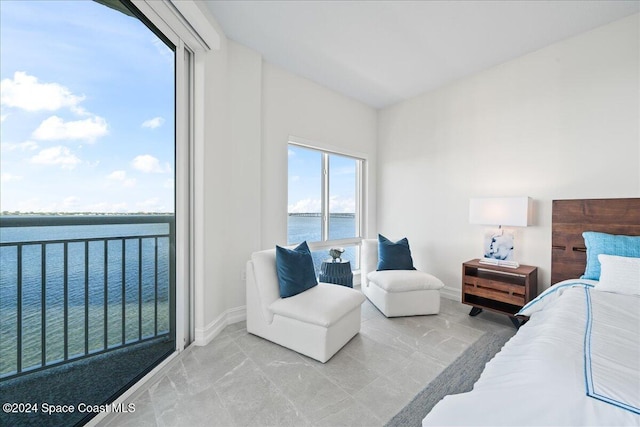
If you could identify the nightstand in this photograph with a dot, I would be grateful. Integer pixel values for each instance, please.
(337, 272)
(500, 289)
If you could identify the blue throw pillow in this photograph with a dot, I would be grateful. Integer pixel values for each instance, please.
(295, 270)
(608, 244)
(394, 255)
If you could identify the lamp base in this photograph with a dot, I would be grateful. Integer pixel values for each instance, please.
(499, 262)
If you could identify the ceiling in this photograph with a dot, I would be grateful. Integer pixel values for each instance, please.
(383, 52)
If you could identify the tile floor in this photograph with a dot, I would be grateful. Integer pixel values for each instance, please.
(241, 380)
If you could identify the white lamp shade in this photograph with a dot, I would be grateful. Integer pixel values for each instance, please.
(508, 211)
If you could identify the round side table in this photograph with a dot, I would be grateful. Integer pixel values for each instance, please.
(336, 272)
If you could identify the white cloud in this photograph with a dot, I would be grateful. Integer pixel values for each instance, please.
(3, 117)
(117, 175)
(54, 128)
(23, 146)
(106, 207)
(339, 205)
(294, 178)
(25, 92)
(290, 153)
(80, 111)
(305, 206)
(150, 205)
(156, 122)
(149, 164)
(164, 50)
(121, 176)
(30, 205)
(336, 205)
(8, 177)
(69, 203)
(169, 184)
(56, 156)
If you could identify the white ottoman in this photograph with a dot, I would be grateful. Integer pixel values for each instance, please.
(398, 292)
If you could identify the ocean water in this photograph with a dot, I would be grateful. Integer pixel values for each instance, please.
(131, 265)
(301, 228)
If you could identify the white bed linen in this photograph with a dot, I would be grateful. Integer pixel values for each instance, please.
(539, 377)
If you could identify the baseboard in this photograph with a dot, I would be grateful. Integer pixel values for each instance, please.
(237, 314)
(450, 293)
(203, 336)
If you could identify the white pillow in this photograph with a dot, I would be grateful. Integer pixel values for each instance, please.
(619, 274)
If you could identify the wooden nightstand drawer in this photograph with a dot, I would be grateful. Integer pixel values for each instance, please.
(511, 294)
(500, 289)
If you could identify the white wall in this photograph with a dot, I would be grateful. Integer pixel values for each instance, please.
(562, 122)
(227, 180)
(249, 109)
(295, 106)
(243, 223)
(212, 163)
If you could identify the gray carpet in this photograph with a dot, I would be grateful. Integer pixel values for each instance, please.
(458, 377)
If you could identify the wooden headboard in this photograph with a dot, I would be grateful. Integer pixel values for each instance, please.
(572, 217)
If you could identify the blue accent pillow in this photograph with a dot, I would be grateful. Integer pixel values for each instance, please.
(295, 269)
(394, 255)
(608, 244)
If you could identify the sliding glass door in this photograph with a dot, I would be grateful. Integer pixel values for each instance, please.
(88, 226)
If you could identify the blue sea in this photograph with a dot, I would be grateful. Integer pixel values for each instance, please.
(132, 264)
(301, 228)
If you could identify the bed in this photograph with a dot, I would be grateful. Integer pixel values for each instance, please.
(577, 360)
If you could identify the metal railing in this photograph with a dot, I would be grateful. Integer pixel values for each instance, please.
(77, 286)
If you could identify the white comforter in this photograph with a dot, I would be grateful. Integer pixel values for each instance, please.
(576, 362)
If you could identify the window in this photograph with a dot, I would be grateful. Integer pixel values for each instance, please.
(324, 201)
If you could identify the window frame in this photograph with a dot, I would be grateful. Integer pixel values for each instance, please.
(325, 152)
(193, 39)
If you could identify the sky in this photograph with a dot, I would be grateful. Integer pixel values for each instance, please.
(86, 110)
(305, 182)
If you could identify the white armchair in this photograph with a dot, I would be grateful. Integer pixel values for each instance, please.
(397, 292)
(317, 322)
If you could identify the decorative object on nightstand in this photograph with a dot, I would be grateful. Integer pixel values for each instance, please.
(500, 211)
(337, 272)
(499, 289)
(336, 253)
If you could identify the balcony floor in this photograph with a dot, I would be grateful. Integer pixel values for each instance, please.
(93, 380)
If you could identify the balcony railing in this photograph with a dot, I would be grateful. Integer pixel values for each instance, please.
(77, 286)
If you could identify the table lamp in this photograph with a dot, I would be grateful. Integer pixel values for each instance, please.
(500, 211)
